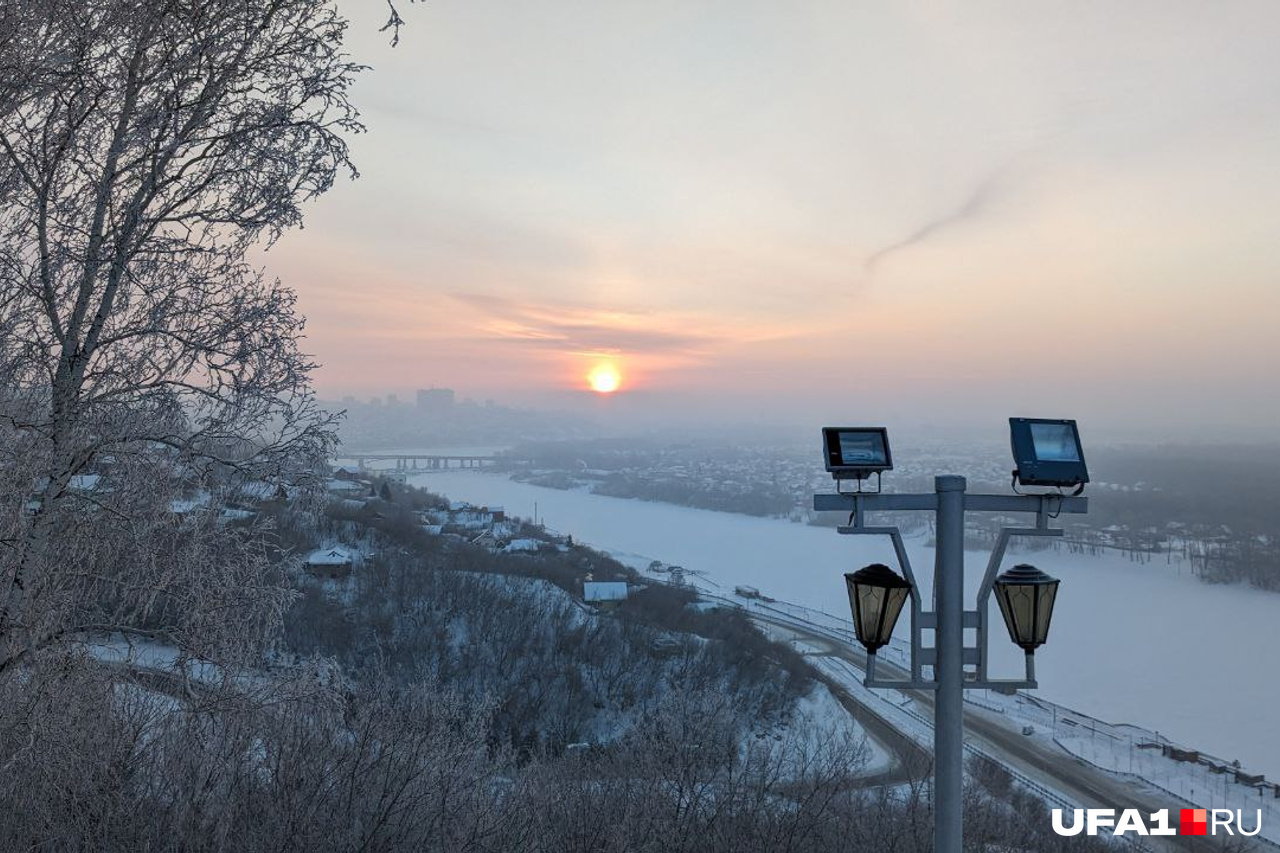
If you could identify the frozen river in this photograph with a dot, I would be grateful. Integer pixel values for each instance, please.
(1146, 644)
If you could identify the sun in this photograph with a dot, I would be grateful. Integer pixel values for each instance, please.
(604, 379)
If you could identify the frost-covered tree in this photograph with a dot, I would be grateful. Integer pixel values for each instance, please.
(147, 149)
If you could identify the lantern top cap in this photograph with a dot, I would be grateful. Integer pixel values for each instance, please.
(877, 574)
(1024, 573)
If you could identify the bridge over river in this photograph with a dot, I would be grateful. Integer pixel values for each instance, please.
(417, 461)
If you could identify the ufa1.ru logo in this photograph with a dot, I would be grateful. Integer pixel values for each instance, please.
(1191, 822)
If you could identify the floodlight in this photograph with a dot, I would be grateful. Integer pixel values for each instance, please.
(855, 453)
(1047, 452)
(876, 596)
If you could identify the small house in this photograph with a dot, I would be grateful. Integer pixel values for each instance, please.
(330, 562)
(470, 517)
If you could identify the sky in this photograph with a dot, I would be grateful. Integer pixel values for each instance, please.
(948, 212)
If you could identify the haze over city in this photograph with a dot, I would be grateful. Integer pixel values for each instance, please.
(940, 212)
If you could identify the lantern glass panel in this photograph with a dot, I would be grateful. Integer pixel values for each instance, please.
(893, 607)
(1044, 611)
(1013, 607)
(869, 606)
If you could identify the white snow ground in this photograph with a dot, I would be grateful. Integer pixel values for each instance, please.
(1130, 642)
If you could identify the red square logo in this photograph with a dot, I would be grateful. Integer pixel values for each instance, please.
(1194, 822)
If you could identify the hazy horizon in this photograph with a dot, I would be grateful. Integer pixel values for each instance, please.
(928, 214)
(634, 416)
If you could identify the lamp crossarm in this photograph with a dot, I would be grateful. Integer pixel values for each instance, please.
(1000, 685)
(873, 678)
(1045, 508)
(1048, 506)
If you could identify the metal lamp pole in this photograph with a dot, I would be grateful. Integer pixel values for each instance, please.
(949, 655)
(948, 722)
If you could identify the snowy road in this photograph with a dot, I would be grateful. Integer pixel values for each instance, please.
(1067, 781)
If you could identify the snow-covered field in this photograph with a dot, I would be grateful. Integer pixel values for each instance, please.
(1146, 644)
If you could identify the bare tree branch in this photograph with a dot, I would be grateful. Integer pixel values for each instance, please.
(146, 149)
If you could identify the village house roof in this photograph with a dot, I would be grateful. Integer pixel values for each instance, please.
(329, 557)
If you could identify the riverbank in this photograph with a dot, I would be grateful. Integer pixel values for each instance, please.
(1126, 643)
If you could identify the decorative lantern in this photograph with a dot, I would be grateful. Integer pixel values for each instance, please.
(876, 596)
(1026, 595)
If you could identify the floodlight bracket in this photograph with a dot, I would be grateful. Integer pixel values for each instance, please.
(1015, 480)
(865, 475)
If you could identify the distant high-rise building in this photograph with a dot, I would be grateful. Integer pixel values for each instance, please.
(393, 400)
(435, 400)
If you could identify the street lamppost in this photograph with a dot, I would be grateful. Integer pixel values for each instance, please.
(1047, 453)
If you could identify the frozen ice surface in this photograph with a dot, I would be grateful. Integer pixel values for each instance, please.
(1141, 643)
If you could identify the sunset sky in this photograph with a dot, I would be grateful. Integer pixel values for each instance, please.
(813, 210)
